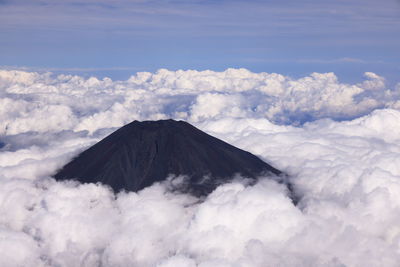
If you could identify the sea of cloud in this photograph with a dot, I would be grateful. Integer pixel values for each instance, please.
(339, 142)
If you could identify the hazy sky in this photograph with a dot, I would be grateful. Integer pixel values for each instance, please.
(119, 37)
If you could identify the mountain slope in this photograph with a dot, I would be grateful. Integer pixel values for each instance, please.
(141, 153)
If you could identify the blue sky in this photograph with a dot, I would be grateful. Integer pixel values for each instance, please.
(117, 38)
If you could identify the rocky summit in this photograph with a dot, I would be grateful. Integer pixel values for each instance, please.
(141, 153)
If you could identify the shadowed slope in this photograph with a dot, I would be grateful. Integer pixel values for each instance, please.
(141, 153)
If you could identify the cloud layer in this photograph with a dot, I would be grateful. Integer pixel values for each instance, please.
(40, 102)
(341, 150)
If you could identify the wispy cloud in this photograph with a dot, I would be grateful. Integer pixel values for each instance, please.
(89, 69)
(336, 60)
(349, 60)
(179, 34)
(110, 72)
(223, 17)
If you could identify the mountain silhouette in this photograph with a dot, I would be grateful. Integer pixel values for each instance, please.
(141, 153)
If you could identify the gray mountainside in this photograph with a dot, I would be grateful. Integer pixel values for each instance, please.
(141, 153)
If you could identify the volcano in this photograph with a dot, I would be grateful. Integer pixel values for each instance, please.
(142, 153)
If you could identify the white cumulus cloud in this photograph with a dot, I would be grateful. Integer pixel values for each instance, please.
(339, 142)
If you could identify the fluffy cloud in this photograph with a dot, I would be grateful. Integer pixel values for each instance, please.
(346, 172)
(43, 103)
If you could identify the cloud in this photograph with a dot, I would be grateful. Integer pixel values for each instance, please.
(77, 103)
(339, 147)
(333, 61)
(257, 18)
(93, 69)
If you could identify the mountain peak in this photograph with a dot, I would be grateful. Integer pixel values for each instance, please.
(141, 153)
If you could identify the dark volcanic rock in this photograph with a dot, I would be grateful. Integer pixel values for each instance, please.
(141, 153)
